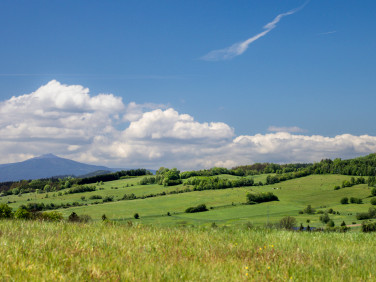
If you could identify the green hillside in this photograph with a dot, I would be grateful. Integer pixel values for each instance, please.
(226, 206)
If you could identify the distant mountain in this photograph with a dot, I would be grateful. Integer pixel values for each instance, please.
(46, 166)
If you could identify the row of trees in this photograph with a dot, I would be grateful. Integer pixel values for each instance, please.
(209, 183)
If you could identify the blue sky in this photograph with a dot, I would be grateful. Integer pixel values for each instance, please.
(311, 74)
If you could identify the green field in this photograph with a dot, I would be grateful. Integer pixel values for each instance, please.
(229, 242)
(44, 251)
(227, 206)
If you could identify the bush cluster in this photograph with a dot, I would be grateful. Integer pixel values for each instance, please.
(214, 183)
(253, 198)
(199, 208)
(369, 227)
(81, 189)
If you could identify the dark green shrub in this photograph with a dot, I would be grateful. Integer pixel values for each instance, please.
(337, 187)
(73, 217)
(22, 213)
(343, 223)
(261, 197)
(95, 197)
(369, 227)
(5, 211)
(362, 216)
(373, 201)
(309, 210)
(199, 208)
(324, 218)
(136, 216)
(104, 217)
(129, 197)
(344, 201)
(108, 199)
(354, 200)
(373, 191)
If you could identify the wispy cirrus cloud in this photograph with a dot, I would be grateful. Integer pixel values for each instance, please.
(240, 47)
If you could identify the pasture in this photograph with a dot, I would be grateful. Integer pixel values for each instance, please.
(226, 206)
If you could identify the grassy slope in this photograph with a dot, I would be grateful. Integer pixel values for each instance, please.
(35, 251)
(294, 195)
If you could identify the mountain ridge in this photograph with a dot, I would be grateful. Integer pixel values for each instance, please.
(46, 166)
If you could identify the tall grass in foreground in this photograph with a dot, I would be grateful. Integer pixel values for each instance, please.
(32, 250)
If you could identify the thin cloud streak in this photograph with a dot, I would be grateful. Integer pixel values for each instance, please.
(240, 47)
(328, 32)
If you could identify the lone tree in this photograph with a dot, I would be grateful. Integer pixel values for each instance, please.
(309, 210)
(287, 222)
(136, 216)
(73, 217)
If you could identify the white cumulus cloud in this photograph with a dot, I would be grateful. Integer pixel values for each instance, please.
(70, 122)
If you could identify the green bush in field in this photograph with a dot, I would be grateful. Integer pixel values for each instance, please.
(337, 187)
(51, 216)
(354, 200)
(324, 218)
(369, 227)
(287, 222)
(199, 208)
(22, 213)
(73, 217)
(330, 223)
(344, 201)
(136, 216)
(95, 197)
(5, 211)
(108, 199)
(253, 198)
(309, 210)
(373, 191)
(373, 201)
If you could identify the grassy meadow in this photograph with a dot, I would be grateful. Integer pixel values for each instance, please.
(229, 242)
(45, 251)
(226, 207)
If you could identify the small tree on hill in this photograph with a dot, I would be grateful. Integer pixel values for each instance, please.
(73, 217)
(309, 210)
(136, 216)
